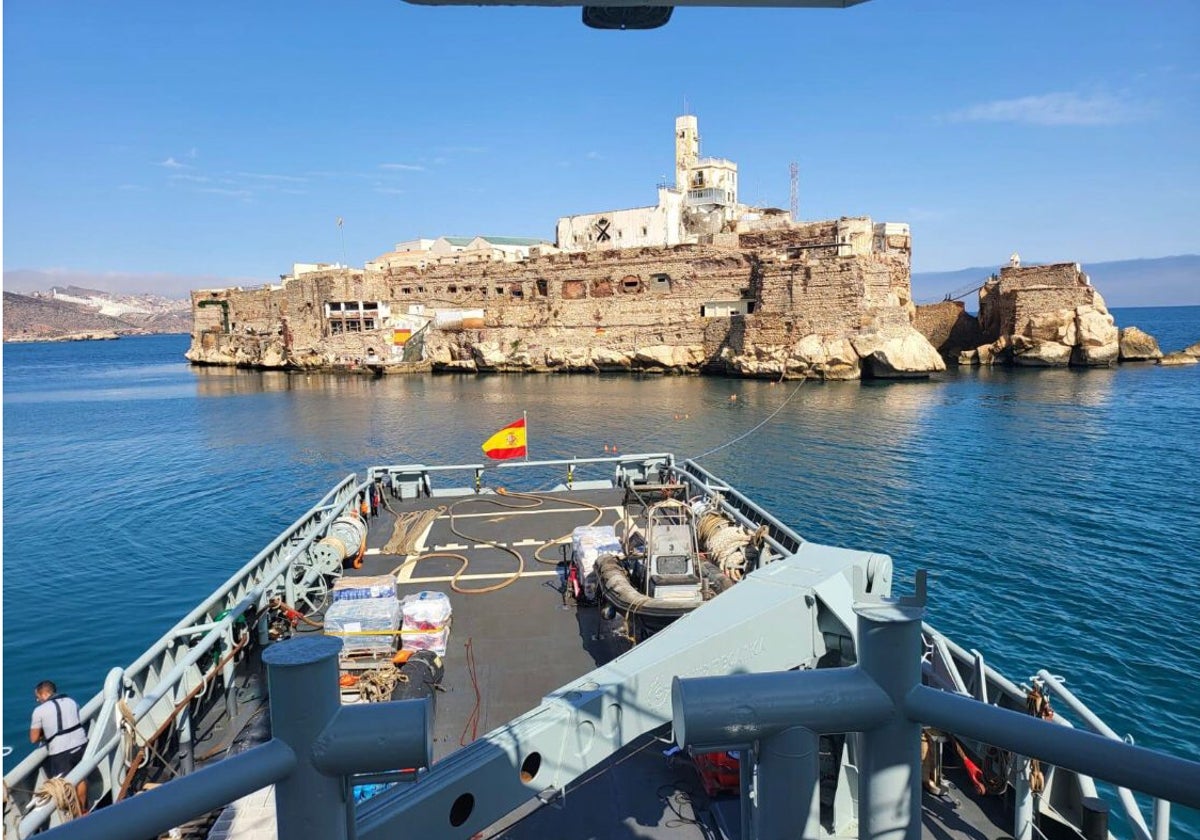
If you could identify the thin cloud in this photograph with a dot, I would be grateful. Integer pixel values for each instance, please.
(266, 176)
(193, 153)
(463, 150)
(194, 179)
(133, 188)
(171, 163)
(1056, 109)
(390, 191)
(230, 193)
(595, 156)
(405, 167)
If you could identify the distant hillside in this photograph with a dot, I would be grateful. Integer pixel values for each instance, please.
(45, 316)
(1166, 281)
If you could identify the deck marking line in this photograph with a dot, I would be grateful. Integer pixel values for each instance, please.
(409, 565)
(488, 576)
(372, 552)
(478, 546)
(507, 513)
(453, 547)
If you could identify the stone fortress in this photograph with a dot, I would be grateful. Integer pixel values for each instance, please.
(695, 283)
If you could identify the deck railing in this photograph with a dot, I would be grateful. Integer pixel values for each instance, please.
(319, 745)
(164, 686)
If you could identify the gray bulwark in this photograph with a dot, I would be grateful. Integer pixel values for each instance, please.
(588, 720)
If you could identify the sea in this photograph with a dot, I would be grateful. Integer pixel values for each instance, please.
(1056, 511)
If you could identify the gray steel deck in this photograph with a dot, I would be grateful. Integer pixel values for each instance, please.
(528, 639)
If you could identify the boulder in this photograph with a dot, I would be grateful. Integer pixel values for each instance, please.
(1179, 358)
(1193, 350)
(487, 355)
(1137, 346)
(1033, 352)
(272, 356)
(606, 358)
(668, 357)
(569, 358)
(1098, 342)
(897, 356)
(822, 357)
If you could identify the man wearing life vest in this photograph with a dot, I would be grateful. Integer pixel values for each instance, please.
(56, 721)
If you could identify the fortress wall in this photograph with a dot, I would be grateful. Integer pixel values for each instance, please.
(577, 306)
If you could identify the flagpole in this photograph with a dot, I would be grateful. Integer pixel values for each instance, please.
(525, 418)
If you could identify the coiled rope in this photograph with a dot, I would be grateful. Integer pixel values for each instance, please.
(408, 529)
(62, 793)
(377, 686)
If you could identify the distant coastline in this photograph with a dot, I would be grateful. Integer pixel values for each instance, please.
(86, 336)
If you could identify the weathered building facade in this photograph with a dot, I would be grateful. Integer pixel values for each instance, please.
(822, 300)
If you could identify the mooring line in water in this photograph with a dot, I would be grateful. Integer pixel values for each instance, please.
(745, 435)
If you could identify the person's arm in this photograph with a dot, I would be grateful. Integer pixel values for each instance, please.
(35, 735)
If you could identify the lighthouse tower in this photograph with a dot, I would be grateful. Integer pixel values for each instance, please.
(687, 150)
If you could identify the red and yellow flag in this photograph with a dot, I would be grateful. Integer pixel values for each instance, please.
(509, 442)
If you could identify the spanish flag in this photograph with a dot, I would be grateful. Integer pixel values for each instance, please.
(509, 442)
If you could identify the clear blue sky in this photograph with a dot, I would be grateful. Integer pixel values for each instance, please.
(175, 141)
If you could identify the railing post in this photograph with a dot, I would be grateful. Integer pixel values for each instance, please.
(889, 652)
(788, 795)
(1162, 819)
(1023, 799)
(302, 678)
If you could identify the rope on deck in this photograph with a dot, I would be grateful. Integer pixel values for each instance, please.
(408, 530)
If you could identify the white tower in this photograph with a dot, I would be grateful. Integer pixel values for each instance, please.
(687, 149)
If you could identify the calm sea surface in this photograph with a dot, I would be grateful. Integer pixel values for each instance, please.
(1057, 511)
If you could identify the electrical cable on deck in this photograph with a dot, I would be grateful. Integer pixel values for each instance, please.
(473, 718)
(62, 793)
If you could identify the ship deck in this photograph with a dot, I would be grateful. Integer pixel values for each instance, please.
(510, 647)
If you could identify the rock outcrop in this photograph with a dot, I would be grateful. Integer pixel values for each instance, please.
(1179, 358)
(1138, 346)
(1043, 316)
(901, 356)
(1193, 350)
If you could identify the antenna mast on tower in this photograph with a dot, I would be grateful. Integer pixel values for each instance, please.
(795, 195)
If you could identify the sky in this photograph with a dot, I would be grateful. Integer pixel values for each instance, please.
(157, 147)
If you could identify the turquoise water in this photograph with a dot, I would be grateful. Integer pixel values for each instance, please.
(1057, 511)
